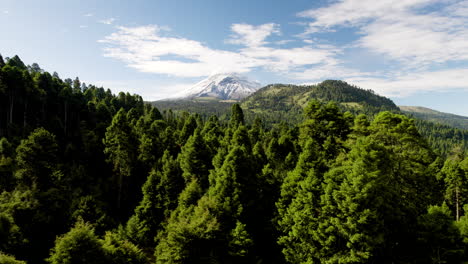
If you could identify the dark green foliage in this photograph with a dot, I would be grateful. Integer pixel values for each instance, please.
(120, 148)
(195, 159)
(119, 251)
(7, 259)
(6, 165)
(2, 62)
(205, 108)
(442, 138)
(160, 194)
(237, 116)
(36, 158)
(16, 62)
(284, 177)
(80, 245)
(440, 235)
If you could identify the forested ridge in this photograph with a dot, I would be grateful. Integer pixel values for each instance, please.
(460, 122)
(278, 103)
(91, 177)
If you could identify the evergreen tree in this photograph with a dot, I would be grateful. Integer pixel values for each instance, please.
(195, 160)
(188, 129)
(439, 233)
(79, 245)
(121, 153)
(6, 165)
(16, 62)
(36, 158)
(237, 116)
(2, 62)
(456, 182)
(160, 194)
(119, 251)
(7, 259)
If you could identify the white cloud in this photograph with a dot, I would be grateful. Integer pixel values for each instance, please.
(252, 36)
(284, 41)
(83, 26)
(88, 15)
(330, 71)
(399, 29)
(148, 89)
(408, 84)
(418, 40)
(354, 12)
(147, 50)
(417, 35)
(6, 12)
(107, 21)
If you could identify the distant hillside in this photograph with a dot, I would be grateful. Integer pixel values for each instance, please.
(205, 108)
(285, 102)
(436, 116)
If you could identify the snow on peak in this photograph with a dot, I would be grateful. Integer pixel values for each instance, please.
(225, 86)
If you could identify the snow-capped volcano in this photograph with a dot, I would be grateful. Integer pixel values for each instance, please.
(222, 86)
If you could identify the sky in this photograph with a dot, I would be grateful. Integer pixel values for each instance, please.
(412, 51)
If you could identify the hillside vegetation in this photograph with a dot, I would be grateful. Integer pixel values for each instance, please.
(434, 116)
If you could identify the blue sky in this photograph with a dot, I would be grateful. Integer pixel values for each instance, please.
(413, 51)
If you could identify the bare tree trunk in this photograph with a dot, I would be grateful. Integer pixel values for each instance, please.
(457, 202)
(25, 113)
(119, 194)
(66, 117)
(12, 103)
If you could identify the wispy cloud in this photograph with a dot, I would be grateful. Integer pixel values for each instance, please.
(252, 36)
(149, 89)
(6, 12)
(83, 26)
(399, 29)
(284, 41)
(148, 50)
(107, 21)
(88, 15)
(410, 83)
(415, 34)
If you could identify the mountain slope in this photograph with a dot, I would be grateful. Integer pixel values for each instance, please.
(221, 86)
(285, 102)
(436, 116)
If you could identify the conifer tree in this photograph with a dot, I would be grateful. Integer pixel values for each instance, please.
(7, 259)
(440, 236)
(37, 159)
(6, 165)
(188, 129)
(2, 62)
(79, 245)
(195, 160)
(160, 194)
(120, 251)
(120, 150)
(456, 182)
(237, 116)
